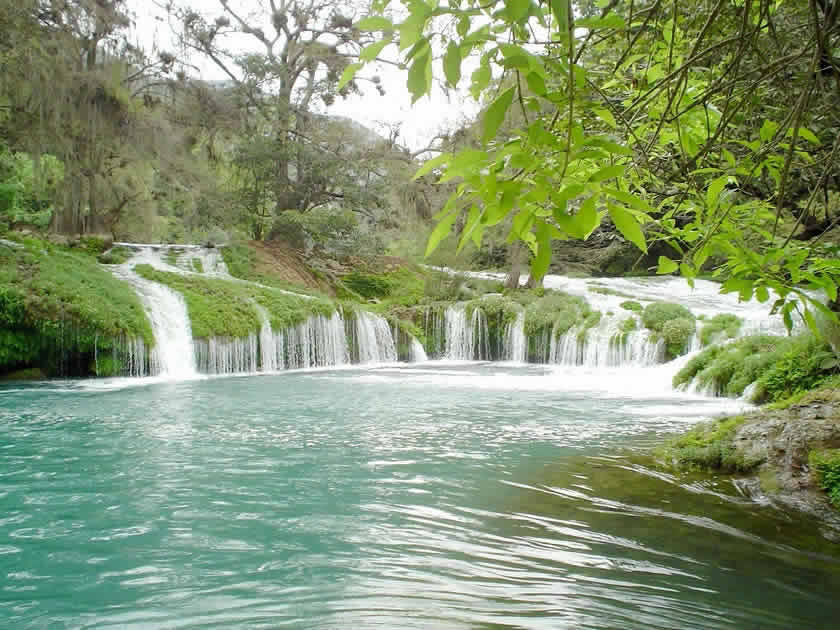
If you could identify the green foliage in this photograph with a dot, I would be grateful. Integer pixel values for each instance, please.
(657, 313)
(557, 312)
(221, 308)
(676, 104)
(631, 305)
(708, 446)
(241, 262)
(780, 366)
(804, 364)
(59, 305)
(677, 333)
(826, 467)
(723, 325)
(629, 325)
(197, 265)
(368, 285)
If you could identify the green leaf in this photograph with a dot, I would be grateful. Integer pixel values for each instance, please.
(452, 64)
(419, 79)
(495, 114)
(348, 74)
(536, 83)
(369, 53)
(441, 231)
(606, 116)
(608, 172)
(375, 23)
(768, 130)
(630, 199)
(586, 219)
(804, 133)
(713, 192)
(518, 9)
(481, 77)
(473, 222)
(463, 26)
(428, 165)
(539, 265)
(761, 294)
(628, 226)
(666, 265)
(560, 9)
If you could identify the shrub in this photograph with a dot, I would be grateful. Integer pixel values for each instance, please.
(677, 333)
(367, 285)
(656, 314)
(115, 256)
(826, 468)
(779, 366)
(719, 325)
(555, 311)
(631, 305)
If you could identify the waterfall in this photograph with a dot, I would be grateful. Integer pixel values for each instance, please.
(458, 334)
(515, 342)
(606, 345)
(318, 342)
(174, 353)
(222, 355)
(374, 341)
(417, 352)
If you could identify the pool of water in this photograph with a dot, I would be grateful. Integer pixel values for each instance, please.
(427, 496)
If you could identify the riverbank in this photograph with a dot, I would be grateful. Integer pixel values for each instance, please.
(786, 453)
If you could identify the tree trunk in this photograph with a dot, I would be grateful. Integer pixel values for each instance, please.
(516, 256)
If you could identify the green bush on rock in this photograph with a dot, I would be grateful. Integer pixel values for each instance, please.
(657, 314)
(632, 305)
(677, 333)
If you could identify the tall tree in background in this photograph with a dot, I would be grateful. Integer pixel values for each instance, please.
(283, 56)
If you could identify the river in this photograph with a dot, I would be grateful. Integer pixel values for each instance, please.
(429, 495)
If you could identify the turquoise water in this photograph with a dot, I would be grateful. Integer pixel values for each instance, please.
(477, 496)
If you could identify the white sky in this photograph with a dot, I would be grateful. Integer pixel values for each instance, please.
(418, 123)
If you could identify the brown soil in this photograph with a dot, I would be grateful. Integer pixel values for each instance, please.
(281, 261)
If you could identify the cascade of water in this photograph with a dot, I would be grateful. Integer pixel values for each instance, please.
(434, 329)
(174, 353)
(606, 345)
(222, 355)
(318, 342)
(515, 342)
(374, 339)
(417, 352)
(458, 334)
(271, 345)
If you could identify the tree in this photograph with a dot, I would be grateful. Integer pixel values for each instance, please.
(662, 118)
(300, 48)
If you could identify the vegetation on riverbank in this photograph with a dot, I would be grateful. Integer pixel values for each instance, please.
(59, 309)
(225, 308)
(779, 367)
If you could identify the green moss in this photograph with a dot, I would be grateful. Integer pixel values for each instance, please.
(555, 311)
(367, 285)
(631, 305)
(708, 446)
(825, 465)
(721, 326)
(629, 325)
(657, 314)
(171, 256)
(58, 306)
(221, 308)
(677, 334)
(197, 265)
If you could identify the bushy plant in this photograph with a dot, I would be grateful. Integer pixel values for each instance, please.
(657, 313)
(367, 285)
(632, 305)
(677, 333)
(826, 467)
(555, 311)
(721, 325)
(708, 446)
(803, 364)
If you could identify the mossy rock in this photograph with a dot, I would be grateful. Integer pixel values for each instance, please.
(632, 305)
(708, 446)
(657, 314)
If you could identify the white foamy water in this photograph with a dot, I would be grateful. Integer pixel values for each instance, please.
(374, 339)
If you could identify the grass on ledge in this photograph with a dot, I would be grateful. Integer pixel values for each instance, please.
(225, 308)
